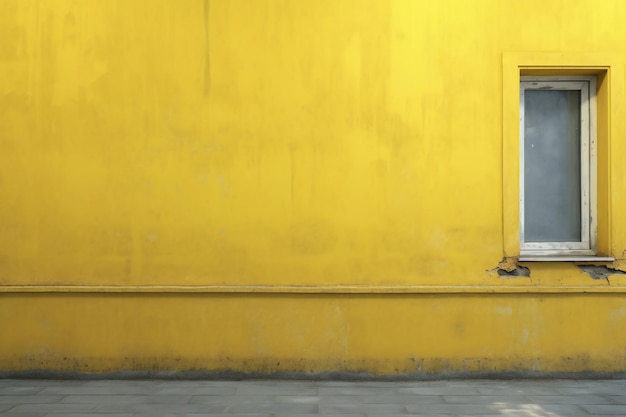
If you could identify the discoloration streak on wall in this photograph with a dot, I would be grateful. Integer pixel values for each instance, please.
(207, 47)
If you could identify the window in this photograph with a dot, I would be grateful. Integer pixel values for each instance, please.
(558, 166)
(592, 233)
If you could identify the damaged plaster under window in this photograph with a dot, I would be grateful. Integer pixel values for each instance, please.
(508, 267)
(518, 271)
(600, 272)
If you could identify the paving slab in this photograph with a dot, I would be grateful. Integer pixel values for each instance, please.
(571, 399)
(362, 408)
(34, 399)
(105, 408)
(605, 409)
(6, 407)
(274, 408)
(22, 415)
(617, 399)
(272, 389)
(383, 398)
(52, 408)
(6, 390)
(126, 399)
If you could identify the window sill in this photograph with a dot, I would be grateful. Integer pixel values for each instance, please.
(573, 258)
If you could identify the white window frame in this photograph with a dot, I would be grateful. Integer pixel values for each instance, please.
(588, 165)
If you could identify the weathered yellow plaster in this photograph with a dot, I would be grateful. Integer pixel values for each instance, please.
(311, 185)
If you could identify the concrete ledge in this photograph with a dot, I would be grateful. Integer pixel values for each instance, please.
(601, 287)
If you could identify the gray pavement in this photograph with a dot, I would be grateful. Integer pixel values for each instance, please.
(113, 398)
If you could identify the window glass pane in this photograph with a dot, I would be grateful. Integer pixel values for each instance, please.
(552, 166)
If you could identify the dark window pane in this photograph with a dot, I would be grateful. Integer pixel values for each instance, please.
(552, 166)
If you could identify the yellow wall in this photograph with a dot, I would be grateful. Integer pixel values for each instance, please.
(233, 184)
